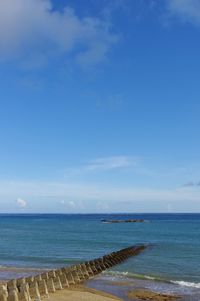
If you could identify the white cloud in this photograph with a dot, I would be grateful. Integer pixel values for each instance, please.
(70, 204)
(21, 203)
(32, 29)
(187, 10)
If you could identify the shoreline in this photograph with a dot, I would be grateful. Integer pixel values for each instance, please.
(82, 293)
(121, 286)
(105, 287)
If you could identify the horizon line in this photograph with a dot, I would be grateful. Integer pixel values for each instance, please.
(92, 213)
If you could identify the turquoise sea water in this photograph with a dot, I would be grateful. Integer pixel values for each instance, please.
(46, 241)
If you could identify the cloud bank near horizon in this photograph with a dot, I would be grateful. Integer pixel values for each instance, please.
(78, 194)
(97, 192)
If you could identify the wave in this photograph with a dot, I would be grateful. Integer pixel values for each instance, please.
(138, 276)
(187, 284)
(154, 278)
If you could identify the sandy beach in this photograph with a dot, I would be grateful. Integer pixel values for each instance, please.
(82, 293)
(85, 291)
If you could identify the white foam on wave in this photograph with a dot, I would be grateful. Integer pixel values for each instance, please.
(187, 284)
(154, 278)
(150, 277)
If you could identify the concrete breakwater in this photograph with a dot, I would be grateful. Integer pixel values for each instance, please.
(41, 285)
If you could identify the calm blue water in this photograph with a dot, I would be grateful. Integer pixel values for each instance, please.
(45, 241)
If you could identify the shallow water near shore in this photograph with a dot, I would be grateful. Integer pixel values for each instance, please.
(50, 241)
(120, 286)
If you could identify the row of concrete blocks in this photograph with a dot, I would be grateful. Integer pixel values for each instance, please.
(40, 286)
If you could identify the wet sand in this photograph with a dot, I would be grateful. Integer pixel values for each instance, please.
(81, 293)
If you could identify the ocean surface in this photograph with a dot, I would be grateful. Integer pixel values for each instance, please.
(170, 262)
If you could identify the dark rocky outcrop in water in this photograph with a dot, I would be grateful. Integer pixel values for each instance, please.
(144, 294)
(123, 221)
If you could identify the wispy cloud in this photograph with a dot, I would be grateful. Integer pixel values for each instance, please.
(192, 184)
(33, 29)
(103, 164)
(109, 163)
(186, 10)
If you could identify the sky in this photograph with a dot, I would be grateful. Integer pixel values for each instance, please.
(99, 106)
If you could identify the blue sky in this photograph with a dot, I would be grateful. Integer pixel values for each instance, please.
(99, 106)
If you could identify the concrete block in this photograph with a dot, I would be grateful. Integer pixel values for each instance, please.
(50, 285)
(45, 276)
(23, 287)
(63, 280)
(23, 296)
(118, 258)
(107, 264)
(12, 285)
(66, 269)
(24, 292)
(20, 281)
(98, 266)
(3, 296)
(58, 272)
(89, 270)
(12, 282)
(34, 291)
(84, 271)
(70, 278)
(101, 263)
(93, 267)
(51, 274)
(80, 273)
(75, 276)
(112, 259)
(42, 286)
(3, 289)
(29, 279)
(57, 283)
(13, 295)
(37, 278)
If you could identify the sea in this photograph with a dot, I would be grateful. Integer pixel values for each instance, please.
(170, 264)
